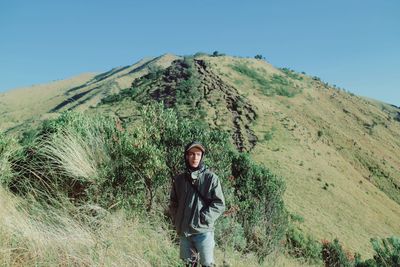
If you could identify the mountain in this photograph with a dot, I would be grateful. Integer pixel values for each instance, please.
(337, 152)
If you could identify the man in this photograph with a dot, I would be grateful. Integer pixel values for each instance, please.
(196, 201)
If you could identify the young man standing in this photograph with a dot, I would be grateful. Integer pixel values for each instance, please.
(196, 201)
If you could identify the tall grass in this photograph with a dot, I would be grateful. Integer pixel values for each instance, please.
(37, 235)
(74, 156)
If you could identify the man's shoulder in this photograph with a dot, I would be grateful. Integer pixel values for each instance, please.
(210, 174)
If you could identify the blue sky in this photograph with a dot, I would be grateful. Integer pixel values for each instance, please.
(353, 44)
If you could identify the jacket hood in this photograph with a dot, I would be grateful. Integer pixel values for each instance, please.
(187, 148)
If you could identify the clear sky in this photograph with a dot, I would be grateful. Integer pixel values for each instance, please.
(354, 44)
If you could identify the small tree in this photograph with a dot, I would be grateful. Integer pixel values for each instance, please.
(215, 54)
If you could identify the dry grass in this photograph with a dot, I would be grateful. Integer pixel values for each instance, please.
(352, 208)
(34, 235)
(77, 156)
(30, 103)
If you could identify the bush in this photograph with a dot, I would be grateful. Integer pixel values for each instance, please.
(230, 233)
(75, 154)
(387, 251)
(217, 54)
(303, 246)
(261, 209)
(8, 147)
(269, 134)
(334, 255)
(292, 74)
(359, 263)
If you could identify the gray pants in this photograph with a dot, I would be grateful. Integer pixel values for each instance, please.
(202, 244)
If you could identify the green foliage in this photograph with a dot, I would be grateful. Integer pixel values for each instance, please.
(187, 90)
(276, 85)
(387, 251)
(292, 74)
(360, 263)
(230, 233)
(269, 134)
(283, 86)
(334, 255)
(296, 217)
(303, 246)
(73, 155)
(217, 54)
(382, 178)
(155, 71)
(8, 148)
(258, 56)
(137, 87)
(261, 209)
(316, 78)
(200, 54)
(177, 87)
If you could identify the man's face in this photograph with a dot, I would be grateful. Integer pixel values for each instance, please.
(194, 157)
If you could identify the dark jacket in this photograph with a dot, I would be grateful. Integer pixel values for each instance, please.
(189, 212)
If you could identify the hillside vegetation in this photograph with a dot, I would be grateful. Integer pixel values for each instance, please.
(336, 153)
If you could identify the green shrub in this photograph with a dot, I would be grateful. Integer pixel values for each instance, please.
(334, 255)
(8, 147)
(200, 54)
(360, 263)
(230, 233)
(268, 135)
(387, 251)
(296, 217)
(254, 75)
(303, 246)
(292, 74)
(217, 54)
(261, 209)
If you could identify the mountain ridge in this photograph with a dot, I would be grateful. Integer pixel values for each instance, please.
(336, 151)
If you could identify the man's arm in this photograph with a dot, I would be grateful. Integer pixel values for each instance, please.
(216, 205)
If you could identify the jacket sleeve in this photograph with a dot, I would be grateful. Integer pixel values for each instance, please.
(216, 202)
(173, 201)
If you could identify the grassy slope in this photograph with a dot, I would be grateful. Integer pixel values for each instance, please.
(352, 208)
(25, 107)
(29, 103)
(356, 137)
